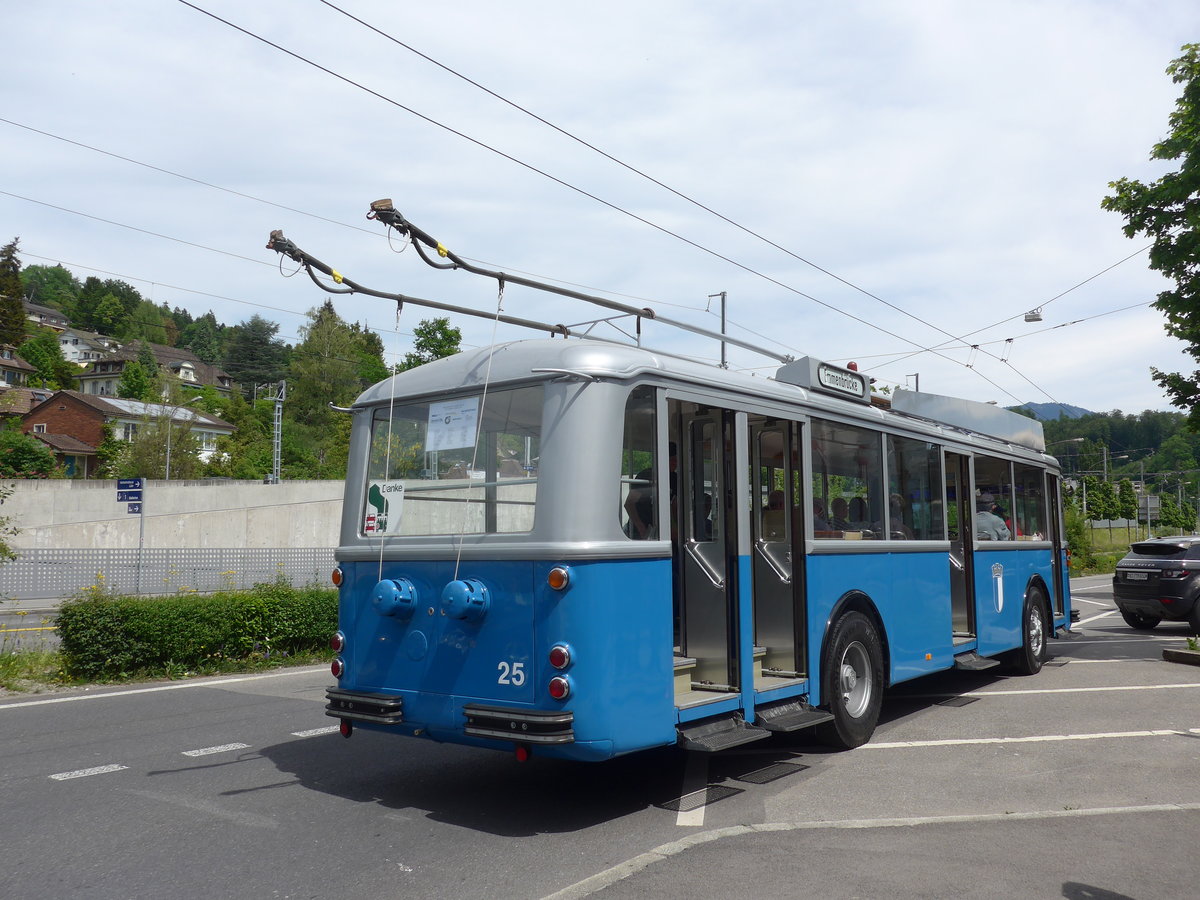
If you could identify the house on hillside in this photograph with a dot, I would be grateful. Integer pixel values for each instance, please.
(103, 376)
(71, 423)
(14, 371)
(85, 347)
(45, 315)
(15, 402)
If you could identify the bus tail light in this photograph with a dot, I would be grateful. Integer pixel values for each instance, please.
(559, 687)
(337, 643)
(338, 667)
(560, 656)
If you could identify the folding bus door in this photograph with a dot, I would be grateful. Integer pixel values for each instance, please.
(705, 548)
(1056, 538)
(779, 615)
(960, 508)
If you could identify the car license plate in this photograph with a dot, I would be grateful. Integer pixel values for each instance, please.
(1137, 576)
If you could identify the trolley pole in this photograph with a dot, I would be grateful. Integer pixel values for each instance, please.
(724, 363)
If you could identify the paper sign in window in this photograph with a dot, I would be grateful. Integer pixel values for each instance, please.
(385, 502)
(452, 424)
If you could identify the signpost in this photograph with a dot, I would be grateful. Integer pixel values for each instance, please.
(129, 491)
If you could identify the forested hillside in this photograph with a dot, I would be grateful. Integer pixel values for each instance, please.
(331, 363)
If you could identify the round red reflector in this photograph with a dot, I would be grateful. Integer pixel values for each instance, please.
(558, 578)
(337, 667)
(346, 727)
(522, 753)
(560, 656)
(337, 643)
(559, 687)
(336, 577)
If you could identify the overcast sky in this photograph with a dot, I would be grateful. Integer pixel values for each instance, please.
(944, 160)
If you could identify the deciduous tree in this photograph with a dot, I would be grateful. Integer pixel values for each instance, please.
(1168, 211)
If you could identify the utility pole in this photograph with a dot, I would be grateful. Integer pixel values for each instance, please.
(280, 391)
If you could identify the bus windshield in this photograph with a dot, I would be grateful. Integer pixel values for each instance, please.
(464, 465)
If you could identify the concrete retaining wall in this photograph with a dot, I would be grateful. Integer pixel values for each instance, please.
(56, 514)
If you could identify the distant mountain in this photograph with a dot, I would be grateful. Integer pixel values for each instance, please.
(1050, 412)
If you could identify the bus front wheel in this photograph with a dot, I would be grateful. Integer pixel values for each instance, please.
(852, 675)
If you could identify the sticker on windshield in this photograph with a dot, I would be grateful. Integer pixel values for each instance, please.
(452, 424)
(385, 499)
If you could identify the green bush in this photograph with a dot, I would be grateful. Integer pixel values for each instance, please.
(110, 637)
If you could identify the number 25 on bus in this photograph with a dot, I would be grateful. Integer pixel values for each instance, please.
(582, 550)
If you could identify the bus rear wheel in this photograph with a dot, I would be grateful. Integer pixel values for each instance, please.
(1028, 659)
(852, 675)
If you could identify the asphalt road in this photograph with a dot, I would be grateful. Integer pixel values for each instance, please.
(1079, 783)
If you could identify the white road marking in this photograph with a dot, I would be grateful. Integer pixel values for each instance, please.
(210, 682)
(83, 773)
(1032, 739)
(695, 790)
(1111, 612)
(208, 751)
(1078, 690)
(611, 876)
(314, 732)
(1093, 602)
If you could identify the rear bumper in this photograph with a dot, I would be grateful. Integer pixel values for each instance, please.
(1162, 604)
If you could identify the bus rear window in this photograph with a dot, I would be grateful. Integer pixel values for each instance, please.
(465, 465)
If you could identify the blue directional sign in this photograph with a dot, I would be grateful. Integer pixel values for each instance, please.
(129, 484)
(135, 507)
(127, 496)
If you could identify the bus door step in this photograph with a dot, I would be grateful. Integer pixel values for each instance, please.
(712, 735)
(791, 716)
(973, 662)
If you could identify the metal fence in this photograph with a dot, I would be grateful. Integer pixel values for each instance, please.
(57, 574)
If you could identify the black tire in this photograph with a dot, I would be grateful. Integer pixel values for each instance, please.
(1035, 627)
(1140, 621)
(852, 680)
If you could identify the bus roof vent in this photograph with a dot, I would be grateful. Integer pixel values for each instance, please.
(982, 418)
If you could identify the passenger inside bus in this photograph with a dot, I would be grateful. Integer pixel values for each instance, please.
(841, 514)
(988, 525)
(642, 498)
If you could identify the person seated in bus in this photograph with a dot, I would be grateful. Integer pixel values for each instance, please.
(998, 510)
(857, 511)
(988, 525)
(820, 523)
(640, 502)
(840, 518)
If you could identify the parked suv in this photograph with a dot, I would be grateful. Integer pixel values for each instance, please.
(1159, 579)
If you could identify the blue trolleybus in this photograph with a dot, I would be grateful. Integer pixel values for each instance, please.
(581, 550)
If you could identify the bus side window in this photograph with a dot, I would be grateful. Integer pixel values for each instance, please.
(639, 480)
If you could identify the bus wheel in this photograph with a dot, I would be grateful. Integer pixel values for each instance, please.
(852, 675)
(1029, 658)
